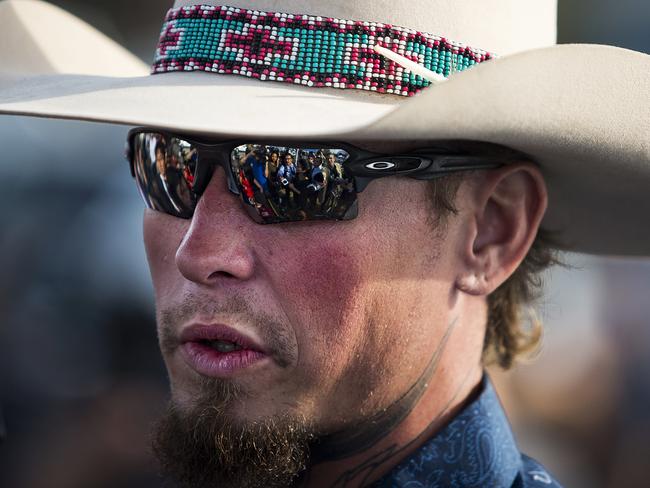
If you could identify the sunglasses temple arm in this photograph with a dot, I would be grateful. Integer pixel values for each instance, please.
(442, 165)
(450, 165)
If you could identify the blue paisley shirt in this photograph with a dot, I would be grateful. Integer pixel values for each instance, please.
(476, 449)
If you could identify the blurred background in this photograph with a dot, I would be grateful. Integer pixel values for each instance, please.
(81, 378)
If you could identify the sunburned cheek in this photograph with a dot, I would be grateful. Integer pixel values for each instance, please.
(324, 290)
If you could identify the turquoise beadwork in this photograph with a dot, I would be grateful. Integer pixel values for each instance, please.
(303, 49)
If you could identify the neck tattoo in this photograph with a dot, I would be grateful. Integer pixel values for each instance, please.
(361, 473)
(368, 432)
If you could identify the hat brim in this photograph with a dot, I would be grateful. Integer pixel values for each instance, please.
(197, 102)
(581, 111)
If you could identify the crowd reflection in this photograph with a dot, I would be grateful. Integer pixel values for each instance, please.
(277, 184)
(285, 184)
(165, 170)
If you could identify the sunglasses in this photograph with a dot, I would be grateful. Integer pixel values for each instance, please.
(276, 181)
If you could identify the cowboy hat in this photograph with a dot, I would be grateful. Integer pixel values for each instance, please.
(308, 69)
(30, 44)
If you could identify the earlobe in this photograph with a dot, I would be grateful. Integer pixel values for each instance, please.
(473, 284)
(507, 208)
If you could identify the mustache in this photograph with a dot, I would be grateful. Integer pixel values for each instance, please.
(275, 334)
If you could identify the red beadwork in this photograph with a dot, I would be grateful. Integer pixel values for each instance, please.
(253, 50)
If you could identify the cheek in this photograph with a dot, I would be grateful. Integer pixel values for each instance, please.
(362, 294)
(320, 283)
(320, 286)
(346, 293)
(162, 235)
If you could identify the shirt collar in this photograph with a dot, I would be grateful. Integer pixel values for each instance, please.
(477, 448)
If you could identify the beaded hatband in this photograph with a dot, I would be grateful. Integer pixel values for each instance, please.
(304, 49)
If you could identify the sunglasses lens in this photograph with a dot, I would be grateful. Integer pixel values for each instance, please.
(275, 183)
(287, 184)
(164, 169)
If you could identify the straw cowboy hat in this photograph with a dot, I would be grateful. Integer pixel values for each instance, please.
(316, 69)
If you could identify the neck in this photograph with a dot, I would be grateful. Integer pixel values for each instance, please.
(359, 456)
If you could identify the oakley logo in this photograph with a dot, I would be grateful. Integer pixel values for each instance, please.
(380, 165)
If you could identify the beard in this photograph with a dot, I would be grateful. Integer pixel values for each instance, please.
(204, 446)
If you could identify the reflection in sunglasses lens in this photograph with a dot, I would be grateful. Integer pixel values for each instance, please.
(284, 184)
(164, 170)
(275, 183)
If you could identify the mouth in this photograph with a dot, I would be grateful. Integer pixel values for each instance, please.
(219, 351)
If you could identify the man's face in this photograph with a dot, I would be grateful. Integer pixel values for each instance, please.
(330, 358)
(160, 161)
(382, 285)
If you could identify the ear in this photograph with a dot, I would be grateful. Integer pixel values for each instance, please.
(506, 207)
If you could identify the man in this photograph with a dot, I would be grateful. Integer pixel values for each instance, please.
(335, 182)
(335, 168)
(317, 182)
(318, 186)
(350, 352)
(274, 167)
(286, 177)
(257, 161)
(285, 376)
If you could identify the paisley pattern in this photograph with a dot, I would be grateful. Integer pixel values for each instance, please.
(476, 449)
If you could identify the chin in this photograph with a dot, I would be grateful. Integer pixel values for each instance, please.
(237, 404)
(212, 441)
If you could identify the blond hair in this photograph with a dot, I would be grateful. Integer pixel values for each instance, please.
(509, 334)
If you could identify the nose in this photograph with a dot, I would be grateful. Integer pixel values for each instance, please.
(217, 244)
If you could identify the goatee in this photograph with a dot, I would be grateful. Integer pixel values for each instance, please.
(204, 446)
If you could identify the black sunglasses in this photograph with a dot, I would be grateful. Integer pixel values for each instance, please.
(277, 181)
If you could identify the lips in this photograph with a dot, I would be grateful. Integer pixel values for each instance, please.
(218, 350)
